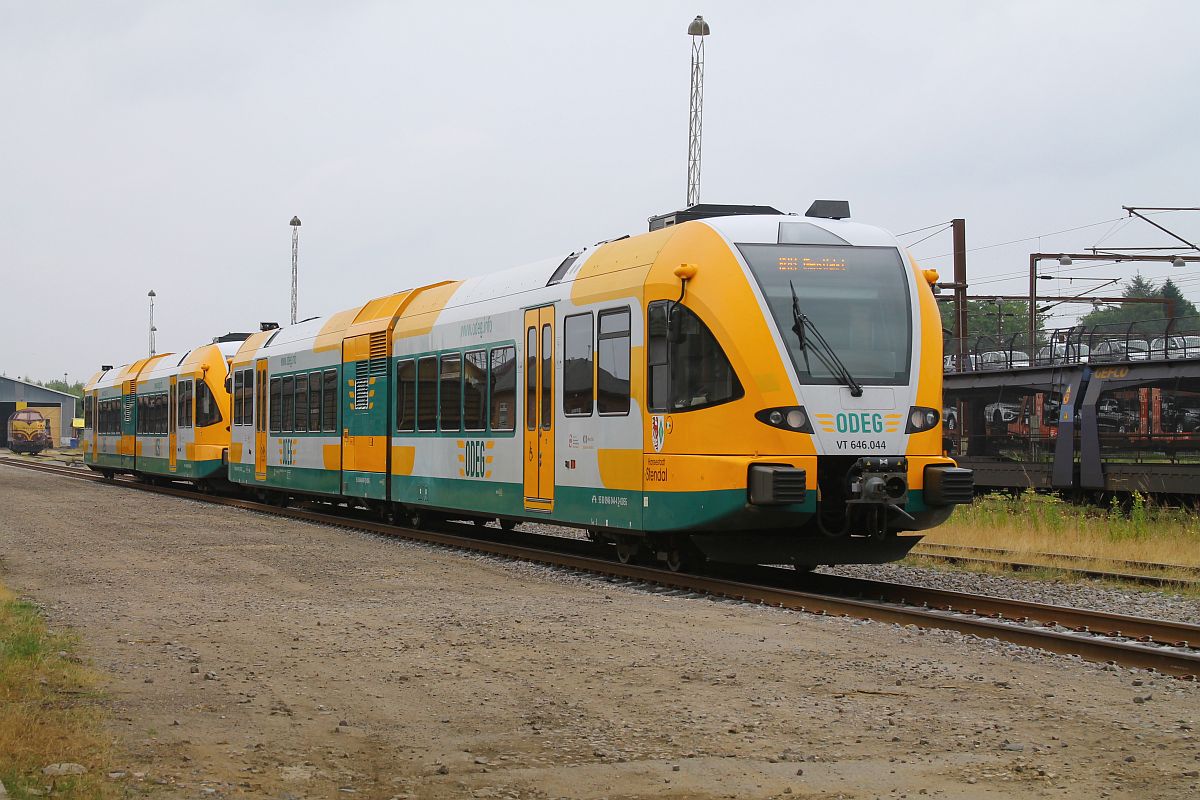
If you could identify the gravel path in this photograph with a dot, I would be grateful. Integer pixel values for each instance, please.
(253, 656)
(1133, 602)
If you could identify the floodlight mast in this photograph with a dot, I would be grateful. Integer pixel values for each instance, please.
(151, 295)
(697, 30)
(295, 223)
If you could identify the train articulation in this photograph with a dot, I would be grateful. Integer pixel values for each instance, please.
(744, 386)
(29, 432)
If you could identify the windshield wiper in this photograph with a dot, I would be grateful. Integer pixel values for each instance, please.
(802, 326)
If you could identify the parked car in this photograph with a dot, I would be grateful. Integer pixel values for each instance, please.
(1001, 413)
(1062, 353)
(1176, 418)
(1175, 347)
(1003, 359)
(1120, 350)
(950, 362)
(1111, 415)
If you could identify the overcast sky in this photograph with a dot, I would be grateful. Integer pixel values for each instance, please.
(166, 145)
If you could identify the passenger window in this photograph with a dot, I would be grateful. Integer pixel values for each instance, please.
(531, 367)
(451, 392)
(301, 419)
(289, 403)
(613, 362)
(578, 375)
(502, 388)
(190, 411)
(427, 397)
(207, 410)
(329, 401)
(547, 376)
(406, 395)
(658, 383)
(276, 405)
(698, 374)
(314, 401)
(475, 391)
(239, 378)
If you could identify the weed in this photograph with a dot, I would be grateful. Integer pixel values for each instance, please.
(49, 710)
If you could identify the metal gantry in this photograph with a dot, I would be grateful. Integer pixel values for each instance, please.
(698, 29)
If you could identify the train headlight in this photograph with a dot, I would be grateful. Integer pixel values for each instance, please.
(921, 419)
(788, 418)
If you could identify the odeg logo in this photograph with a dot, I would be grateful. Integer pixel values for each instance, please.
(862, 422)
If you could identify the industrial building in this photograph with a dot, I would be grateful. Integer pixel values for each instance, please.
(61, 408)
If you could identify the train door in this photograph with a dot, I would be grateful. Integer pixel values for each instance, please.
(365, 443)
(539, 409)
(260, 419)
(95, 417)
(173, 424)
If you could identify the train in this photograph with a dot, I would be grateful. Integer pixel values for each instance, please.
(735, 385)
(29, 432)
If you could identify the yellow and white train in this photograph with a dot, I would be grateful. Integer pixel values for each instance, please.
(737, 384)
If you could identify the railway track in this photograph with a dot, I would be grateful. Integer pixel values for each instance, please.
(1168, 575)
(1172, 648)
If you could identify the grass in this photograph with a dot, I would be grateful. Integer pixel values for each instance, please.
(50, 711)
(1031, 525)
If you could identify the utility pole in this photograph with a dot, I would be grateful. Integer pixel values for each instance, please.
(959, 233)
(151, 295)
(295, 223)
(697, 30)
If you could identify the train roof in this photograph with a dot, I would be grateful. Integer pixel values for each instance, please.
(414, 310)
(188, 362)
(109, 378)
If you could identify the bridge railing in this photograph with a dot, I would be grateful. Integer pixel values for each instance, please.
(1142, 340)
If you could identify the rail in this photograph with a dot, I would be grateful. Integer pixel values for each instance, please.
(1166, 647)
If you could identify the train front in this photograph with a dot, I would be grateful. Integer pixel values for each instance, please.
(856, 327)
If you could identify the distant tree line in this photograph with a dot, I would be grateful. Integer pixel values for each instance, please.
(1008, 317)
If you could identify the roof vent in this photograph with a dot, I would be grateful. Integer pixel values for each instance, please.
(231, 337)
(105, 367)
(829, 209)
(268, 326)
(705, 211)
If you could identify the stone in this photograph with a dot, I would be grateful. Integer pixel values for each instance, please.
(195, 669)
(210, 676)
(443, 770)
(65, 768)
(1013, 747)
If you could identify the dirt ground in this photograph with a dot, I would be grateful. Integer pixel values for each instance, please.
(252, 656)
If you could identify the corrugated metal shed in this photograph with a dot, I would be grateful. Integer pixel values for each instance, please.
(14, 391)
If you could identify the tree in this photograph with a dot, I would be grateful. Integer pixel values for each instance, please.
(987, 318)
(1183, 306)
(59, 386)
(1140, 287)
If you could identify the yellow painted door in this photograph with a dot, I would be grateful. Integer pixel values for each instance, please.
(539, 409)
(173, 424)
(260, 420)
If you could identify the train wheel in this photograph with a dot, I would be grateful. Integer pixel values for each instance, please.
(627, 549)
(415, 519)
(676, 561)
(508, 524)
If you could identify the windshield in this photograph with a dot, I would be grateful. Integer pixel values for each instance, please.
(857, 297)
